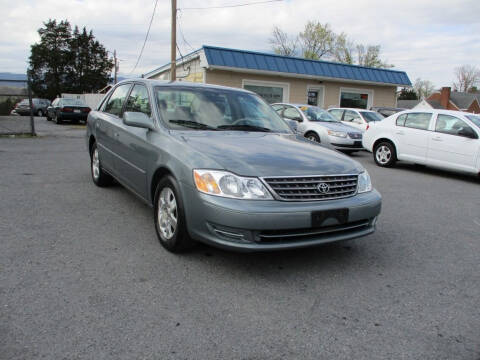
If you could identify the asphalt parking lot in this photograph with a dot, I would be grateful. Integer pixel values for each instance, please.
(82, 275)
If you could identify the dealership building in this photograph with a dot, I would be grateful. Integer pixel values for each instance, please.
(289, 79)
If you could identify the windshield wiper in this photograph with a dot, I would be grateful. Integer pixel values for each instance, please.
(192, 124)
(244, 128)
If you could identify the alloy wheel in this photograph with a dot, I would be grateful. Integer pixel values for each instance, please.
(167, 213)
(383, 154)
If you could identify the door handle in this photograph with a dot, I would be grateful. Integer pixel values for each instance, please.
(436, 138)
(400, 132)
(116, 134)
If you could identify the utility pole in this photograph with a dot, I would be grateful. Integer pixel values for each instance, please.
(116, 66)
(173, 57)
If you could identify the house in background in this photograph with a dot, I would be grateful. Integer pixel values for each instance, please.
(407, 104)
(451, 100)
(288, 79)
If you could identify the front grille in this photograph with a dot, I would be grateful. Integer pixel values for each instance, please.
(277, 236)
(355, 135)
(307, 188)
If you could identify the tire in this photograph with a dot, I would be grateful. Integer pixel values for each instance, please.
(49, 118)
(58, 120)
(312, 137)
(40, 113)
(99, 177)
(385, 154)
(169, 217)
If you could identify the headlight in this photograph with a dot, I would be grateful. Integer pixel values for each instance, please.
(337, 133)
(223, 183)
(364, 182)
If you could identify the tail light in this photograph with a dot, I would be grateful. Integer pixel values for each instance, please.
(67, 109)
(368, 127)
(86, 110)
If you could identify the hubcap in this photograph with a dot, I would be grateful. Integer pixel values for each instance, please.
(383, 154)
(312, 138)
(167, 213)
(95, 164)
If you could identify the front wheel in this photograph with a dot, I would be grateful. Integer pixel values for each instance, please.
(169, 217)
(385, 154)
(40, 113)
(99, 177)
(312, 137)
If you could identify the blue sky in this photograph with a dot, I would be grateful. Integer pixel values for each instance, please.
(427, 39)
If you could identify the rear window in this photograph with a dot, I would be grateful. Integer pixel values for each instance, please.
(371, 116)
(73, 102)
(475, 119)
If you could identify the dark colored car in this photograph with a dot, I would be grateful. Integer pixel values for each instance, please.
(39, 107)
(218, 165)
(386, 111)
(73, 110)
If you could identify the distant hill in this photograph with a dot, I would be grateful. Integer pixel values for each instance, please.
(12, 76)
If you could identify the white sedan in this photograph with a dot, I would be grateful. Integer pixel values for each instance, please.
(359, 118)
(440, 138)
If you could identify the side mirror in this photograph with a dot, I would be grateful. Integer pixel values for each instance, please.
(137, 119)
(468, 133)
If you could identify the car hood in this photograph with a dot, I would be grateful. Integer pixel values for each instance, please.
(337, 126)
(264, 154)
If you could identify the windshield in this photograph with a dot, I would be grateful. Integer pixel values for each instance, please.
(371, 116)
(314, 113)
(216, 109)
(475, 119)
(73, 102)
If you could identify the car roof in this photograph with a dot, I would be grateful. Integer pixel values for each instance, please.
(180, 83)
(296, 105)
(347, 108)
(437, 111)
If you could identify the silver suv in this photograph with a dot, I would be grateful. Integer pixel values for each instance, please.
(219, 166)
(319, 126)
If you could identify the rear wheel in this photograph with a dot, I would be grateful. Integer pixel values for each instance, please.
(57, 120)
(169, 217)
(40, 112)
(99, 177)
(385, 154)
(312, 137)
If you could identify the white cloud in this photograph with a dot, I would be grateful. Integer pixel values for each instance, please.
(427, 39)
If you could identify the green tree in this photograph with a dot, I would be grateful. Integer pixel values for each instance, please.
(282, 43)
(67, 62)
(49, 59)
(370, 56)
(89, 64)
(408, 94)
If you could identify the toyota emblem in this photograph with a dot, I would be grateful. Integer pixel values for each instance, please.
(323, 188)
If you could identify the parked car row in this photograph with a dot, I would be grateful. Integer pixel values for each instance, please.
(73, 110)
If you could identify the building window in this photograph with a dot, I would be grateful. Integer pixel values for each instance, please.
(356, 98)
(271, 92)
(315, 96)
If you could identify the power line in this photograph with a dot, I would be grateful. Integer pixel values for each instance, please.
(230, 6)
(146, 37)
(181, 33)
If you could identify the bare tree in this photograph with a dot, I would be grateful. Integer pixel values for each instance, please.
(423, 88)
(466, 77)
(344, 49)
(316, 40)
(282, 43)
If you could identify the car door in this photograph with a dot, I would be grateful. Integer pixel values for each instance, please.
(293, 114)
(106, 125)
(133, 145)
(354, 119)
(449, 147)
(411, 132)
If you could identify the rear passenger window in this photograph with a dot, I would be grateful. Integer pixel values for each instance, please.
(418, 120)
(115, 103)
(401, 120)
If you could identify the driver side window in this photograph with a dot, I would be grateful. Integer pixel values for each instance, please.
(451, 125)
(292, 114)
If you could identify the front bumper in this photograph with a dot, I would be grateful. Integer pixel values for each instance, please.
(339, 143)
(249, 225)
